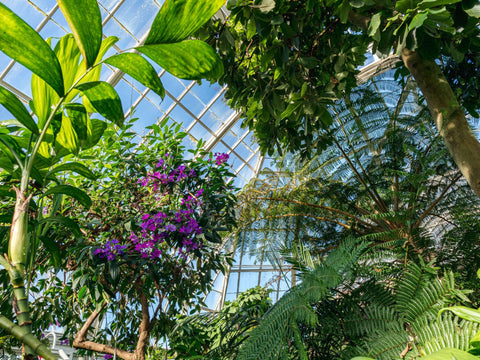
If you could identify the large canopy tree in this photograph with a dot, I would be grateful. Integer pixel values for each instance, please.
(287, 60)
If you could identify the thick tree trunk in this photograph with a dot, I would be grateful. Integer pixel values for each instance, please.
(448, 115)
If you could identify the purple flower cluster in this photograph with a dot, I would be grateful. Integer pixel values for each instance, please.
(65, 342)
(165, 176)
(107, 356)
(177, 221)
(110, 250)
(221, 158)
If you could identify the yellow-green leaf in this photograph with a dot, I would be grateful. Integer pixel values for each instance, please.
(23, 44)
(94, 74)
(450, 354)
(189, 59)
(140, 69)
(68, 55)
(104, 99)
(17, 109)
(464, 313)
(178, 19)
(85, 21)
(78, 114)
(67, 137)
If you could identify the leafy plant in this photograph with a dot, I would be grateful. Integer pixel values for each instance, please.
(66, 90)
(286, 61)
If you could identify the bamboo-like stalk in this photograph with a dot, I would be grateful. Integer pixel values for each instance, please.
(27, 338)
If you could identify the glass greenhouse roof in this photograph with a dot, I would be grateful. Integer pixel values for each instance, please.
(199, 107)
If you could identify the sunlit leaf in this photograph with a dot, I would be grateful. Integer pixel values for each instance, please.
(464, 313)
(17, 109)
(67, 137)
(179, 19)
(450, 354)
(79, 195)
(85, 20)
(23, 44)
(104, 99)
(94, 74)
(140, 69)
(68, 55)
(189, 59)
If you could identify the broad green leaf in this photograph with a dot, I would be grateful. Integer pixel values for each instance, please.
(78, 114)
(404, 5)
(475, 341)
(65, 221)
(464, 313)
(104, 99)
(94, 74)
(67, 137)
(17, 109)
(362, 358)
(75, 167)
(178, 19)
(189, 59)
(418, 20)
(140, 69)
(472, 8)
(450, 354)
(95, 129)
(374, 24)
(23, 44)
(85, 20)
(68, 55)
(79, 195)
(52, 247)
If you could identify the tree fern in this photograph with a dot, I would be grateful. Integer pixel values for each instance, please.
(269, 339)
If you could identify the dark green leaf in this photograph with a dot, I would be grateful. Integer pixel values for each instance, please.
(189, 59)
(65, 221)
(74, 192)
(75, 167)
(23, 44)
(105, 100)
(140, 69)
(426, 4)
(52, 247)
(85, 20)
(94, 133)
(16, 108)
(179, 19)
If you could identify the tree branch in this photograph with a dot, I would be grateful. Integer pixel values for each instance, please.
(81, 342)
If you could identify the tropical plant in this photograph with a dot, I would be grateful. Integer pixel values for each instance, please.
(386, 178)
(287, 60)
(219, 335)
(66, 90)
(150, 247)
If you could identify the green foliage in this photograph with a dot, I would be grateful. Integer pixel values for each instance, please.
(286, 63)
(119, 201)
(67, 91)
(219, 335)
(269, 339)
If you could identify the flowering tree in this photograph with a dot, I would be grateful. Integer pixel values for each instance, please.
(45, 138)
(153, 234)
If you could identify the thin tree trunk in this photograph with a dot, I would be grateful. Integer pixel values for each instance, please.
(448, 115)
